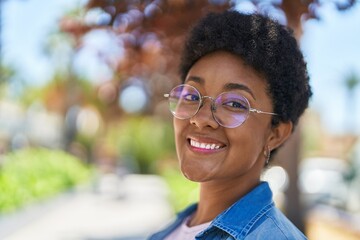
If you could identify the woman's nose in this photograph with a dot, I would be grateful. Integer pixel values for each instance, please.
(204, 117)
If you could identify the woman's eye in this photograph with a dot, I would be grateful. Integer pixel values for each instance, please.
(191, 97)
(236, 105)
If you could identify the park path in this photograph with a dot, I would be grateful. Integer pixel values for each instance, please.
(127, 208)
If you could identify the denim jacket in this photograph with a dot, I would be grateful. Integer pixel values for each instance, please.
(253, 217)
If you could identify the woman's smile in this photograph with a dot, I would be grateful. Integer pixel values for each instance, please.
(205, 145)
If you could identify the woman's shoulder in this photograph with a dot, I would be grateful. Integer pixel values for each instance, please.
(275, 225)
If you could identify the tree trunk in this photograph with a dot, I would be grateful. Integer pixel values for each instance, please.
(288, 157)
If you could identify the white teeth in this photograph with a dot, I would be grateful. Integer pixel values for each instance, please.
(204, 145)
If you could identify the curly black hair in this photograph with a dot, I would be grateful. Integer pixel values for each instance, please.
(264, 44)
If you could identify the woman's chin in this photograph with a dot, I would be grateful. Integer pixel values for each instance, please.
(194, 176)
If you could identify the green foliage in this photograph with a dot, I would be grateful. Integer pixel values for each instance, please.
(67, 86)
(351, 82)
(182, 191)
(30, 175)
(6, 72)
(142, 142)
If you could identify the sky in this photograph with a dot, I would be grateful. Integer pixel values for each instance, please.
(25, 26)
(330, 46)
(332, 49)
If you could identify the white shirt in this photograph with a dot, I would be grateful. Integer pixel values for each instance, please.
(184, 232)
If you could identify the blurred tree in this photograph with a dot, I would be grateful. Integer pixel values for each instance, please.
(6, 73)
(297, 11)
(11, 84)
(150, 34)
(351, 82)
(151, 31)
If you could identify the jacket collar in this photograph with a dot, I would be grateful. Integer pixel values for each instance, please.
(237, 220)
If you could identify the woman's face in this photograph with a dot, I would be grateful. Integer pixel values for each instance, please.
(239, 152)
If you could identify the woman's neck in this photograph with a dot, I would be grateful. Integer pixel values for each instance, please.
(217, 196)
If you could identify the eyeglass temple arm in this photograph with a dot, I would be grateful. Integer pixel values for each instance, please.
(259, 111)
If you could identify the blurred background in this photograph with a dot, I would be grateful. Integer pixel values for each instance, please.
(86, 140)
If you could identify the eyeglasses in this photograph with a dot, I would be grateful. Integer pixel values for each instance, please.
(229, 109)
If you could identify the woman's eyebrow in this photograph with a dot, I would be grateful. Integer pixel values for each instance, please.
(234, 86)
(227, 87)
(195, 79)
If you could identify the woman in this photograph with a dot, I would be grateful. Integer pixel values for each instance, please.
(244, 87)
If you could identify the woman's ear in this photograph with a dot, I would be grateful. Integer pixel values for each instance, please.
(279, 134)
